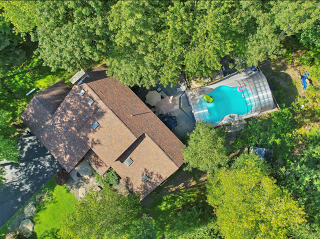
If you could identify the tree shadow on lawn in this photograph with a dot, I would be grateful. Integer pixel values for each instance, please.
(179, 180)
(166, 208)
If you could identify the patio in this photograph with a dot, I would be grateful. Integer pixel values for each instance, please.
(182, 110)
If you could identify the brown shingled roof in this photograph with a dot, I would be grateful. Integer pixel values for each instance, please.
(63, 120)
(148, 159)
(134, 113)
(52, 97)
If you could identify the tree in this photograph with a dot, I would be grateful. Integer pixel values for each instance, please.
(135, 57)
(252, 203)
(22, 14)
(193, 222)
(10, 52)
(72, 34)
(102, 215)
(304, 183)
(143, 229)
(206, 149)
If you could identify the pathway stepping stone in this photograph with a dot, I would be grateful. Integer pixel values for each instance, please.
(27, 227)
(30, 210)
(82, 192)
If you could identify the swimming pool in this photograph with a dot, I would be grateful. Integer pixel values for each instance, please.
(227, 100)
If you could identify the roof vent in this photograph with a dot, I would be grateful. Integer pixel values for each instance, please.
(144, 178)
(90, 102)
(95, 125)
(128, 162)
(82, 92)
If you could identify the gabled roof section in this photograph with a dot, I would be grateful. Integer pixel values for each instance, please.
(134, 113)
(52, 97)
(111, 138)
(96, 162)
(148, 160)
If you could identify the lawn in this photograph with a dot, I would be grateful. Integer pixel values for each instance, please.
(50, 212)
(20, 80)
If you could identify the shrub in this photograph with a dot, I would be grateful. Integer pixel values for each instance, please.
(61, 177)
(110, 177)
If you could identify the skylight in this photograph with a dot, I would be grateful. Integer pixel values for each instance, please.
(128, 162)
(90, 102)
(82, 92)
(144, 178)
(95, 125)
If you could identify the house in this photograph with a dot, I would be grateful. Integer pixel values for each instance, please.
(237, 96)
(103, 122)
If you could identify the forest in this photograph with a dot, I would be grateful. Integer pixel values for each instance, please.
(149, 41)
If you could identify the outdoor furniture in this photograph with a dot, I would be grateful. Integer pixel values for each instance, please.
(165, 105)
(163, 94)
(153, 97)
(182, 88)
(169, 120)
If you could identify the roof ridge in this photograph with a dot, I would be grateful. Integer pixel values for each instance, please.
(112, 110)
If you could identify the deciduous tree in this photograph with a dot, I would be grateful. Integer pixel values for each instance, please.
(10, 52)
(206, 148)
(22, 14)
(248, 204)
(73, 34)
(102, 215)
(303, 181)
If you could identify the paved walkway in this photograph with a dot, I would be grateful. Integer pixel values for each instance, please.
(24, 179)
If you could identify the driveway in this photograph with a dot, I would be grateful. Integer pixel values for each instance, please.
(24, 179)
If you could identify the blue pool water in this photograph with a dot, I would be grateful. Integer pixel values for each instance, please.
(227, 100)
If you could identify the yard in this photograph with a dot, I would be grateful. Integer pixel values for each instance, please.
(59, 201)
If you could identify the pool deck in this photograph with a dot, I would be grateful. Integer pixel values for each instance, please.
(183, 111)
(232, 80)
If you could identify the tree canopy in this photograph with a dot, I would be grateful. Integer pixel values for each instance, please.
(252, 203)
(10, 52)
(106, 214)
(304, 182)
(72, 34)
(22, 14)
(206, 148)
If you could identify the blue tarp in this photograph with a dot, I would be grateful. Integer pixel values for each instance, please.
(263, 153)
(253, 68)
(304, 80)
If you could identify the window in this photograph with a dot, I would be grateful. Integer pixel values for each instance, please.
(144, 178)
(128, 162)
(82, 92)
(95, 125)
(90, 102)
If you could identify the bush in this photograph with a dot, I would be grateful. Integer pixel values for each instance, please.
(61, 177)
(110, 177)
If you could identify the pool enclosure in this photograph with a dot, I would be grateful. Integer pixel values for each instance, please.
(237, 96)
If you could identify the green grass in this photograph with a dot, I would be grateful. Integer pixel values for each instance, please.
(50, 212)
(20, 82)
(165, 207)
